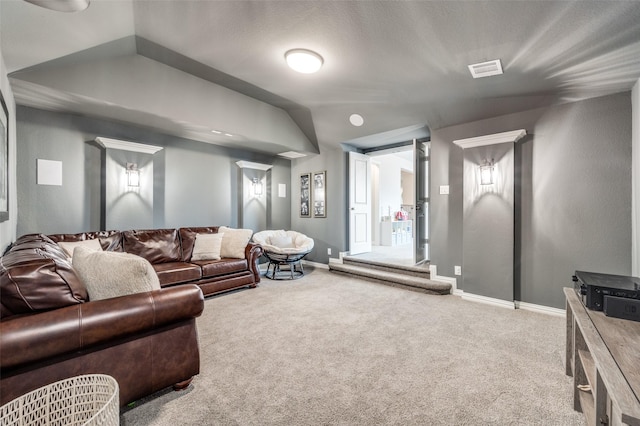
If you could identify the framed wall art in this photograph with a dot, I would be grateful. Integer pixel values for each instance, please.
(305, 195)
(4, 161)
(319, 194)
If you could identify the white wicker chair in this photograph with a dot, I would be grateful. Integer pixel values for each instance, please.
(284, 248)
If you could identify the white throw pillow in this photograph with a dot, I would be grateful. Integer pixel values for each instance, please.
(69, 246)
(207, 247)
(234, 242)
(108, 274)
(282, 241)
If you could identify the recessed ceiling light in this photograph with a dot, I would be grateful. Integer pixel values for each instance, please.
(217, 132)
(303, 60)
(228, 134)
(486, 69)
(356, 120)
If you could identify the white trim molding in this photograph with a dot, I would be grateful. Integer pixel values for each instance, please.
(127, 146)
(504, 137)
(516, 304)
(488, 300)
(539, 308)
(316, 264)
(249, 165)
(433, 275)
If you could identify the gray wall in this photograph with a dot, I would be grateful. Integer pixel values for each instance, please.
(128, 207)
(279, 208)
(573, 204)
(8, 227)
(331, 231)
(254, 208)
(195, 184)
(488, 222)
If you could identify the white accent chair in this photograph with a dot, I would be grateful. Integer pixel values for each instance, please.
(284, 248)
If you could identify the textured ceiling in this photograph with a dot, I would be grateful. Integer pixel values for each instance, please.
(401, 65)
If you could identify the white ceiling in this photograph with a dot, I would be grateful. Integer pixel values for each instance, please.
(401, 65)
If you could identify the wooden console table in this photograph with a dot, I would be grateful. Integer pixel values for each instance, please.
(603, 356)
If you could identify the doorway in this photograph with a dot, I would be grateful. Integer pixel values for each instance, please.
(399, 213)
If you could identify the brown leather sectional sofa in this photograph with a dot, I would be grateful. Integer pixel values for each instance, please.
(50, 330)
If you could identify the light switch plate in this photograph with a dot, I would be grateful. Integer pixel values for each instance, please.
(444, 189)
(457, 270)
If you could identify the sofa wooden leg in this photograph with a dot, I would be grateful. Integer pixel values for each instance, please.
(182, 385)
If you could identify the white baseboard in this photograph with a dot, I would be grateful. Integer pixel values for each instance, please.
(539, 308)
(488, 300)
(315, 264)
(516, 304)
(433, 274)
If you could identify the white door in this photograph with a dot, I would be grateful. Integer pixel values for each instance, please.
(359, 203)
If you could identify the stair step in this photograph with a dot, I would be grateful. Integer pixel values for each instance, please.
(416, 271)
(392, 278)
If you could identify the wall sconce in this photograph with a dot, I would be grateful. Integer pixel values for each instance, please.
(487, 172)
(257, 187)
(133, 174)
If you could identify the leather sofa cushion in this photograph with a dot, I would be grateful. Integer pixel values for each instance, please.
(213, 268)
(177, 272)
(155, 245)
(109, 240)
(35, 275)
(188, 237)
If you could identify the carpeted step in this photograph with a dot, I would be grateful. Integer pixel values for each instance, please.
(416, 271)
(392, 278)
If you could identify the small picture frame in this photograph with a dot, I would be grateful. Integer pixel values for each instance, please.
(320, 194)
(305, 195)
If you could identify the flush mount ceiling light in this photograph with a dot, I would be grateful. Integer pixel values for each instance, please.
(62, 5)
(303, 60)
(486, 69)
(356, 120)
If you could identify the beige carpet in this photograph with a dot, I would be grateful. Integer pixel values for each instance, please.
(334, 350)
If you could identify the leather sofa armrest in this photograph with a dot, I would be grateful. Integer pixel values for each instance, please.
(253, 252)
(40, 336)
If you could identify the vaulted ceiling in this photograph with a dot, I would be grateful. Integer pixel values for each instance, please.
(187, 67)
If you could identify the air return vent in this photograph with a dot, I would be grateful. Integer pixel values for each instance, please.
(486, 69)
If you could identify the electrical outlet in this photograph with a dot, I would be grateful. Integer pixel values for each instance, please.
(329, 251)
(457, 270)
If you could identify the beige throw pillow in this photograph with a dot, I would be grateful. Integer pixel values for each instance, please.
(234, 242)
(69, 246)
(108, 274)
(207, 247)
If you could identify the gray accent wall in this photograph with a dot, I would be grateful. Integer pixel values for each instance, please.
(331, 231)
(573, 205)
(194, 183)
(128, 207)
(8, 227)
(488, 222)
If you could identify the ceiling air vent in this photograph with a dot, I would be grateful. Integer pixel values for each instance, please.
(486, 69)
